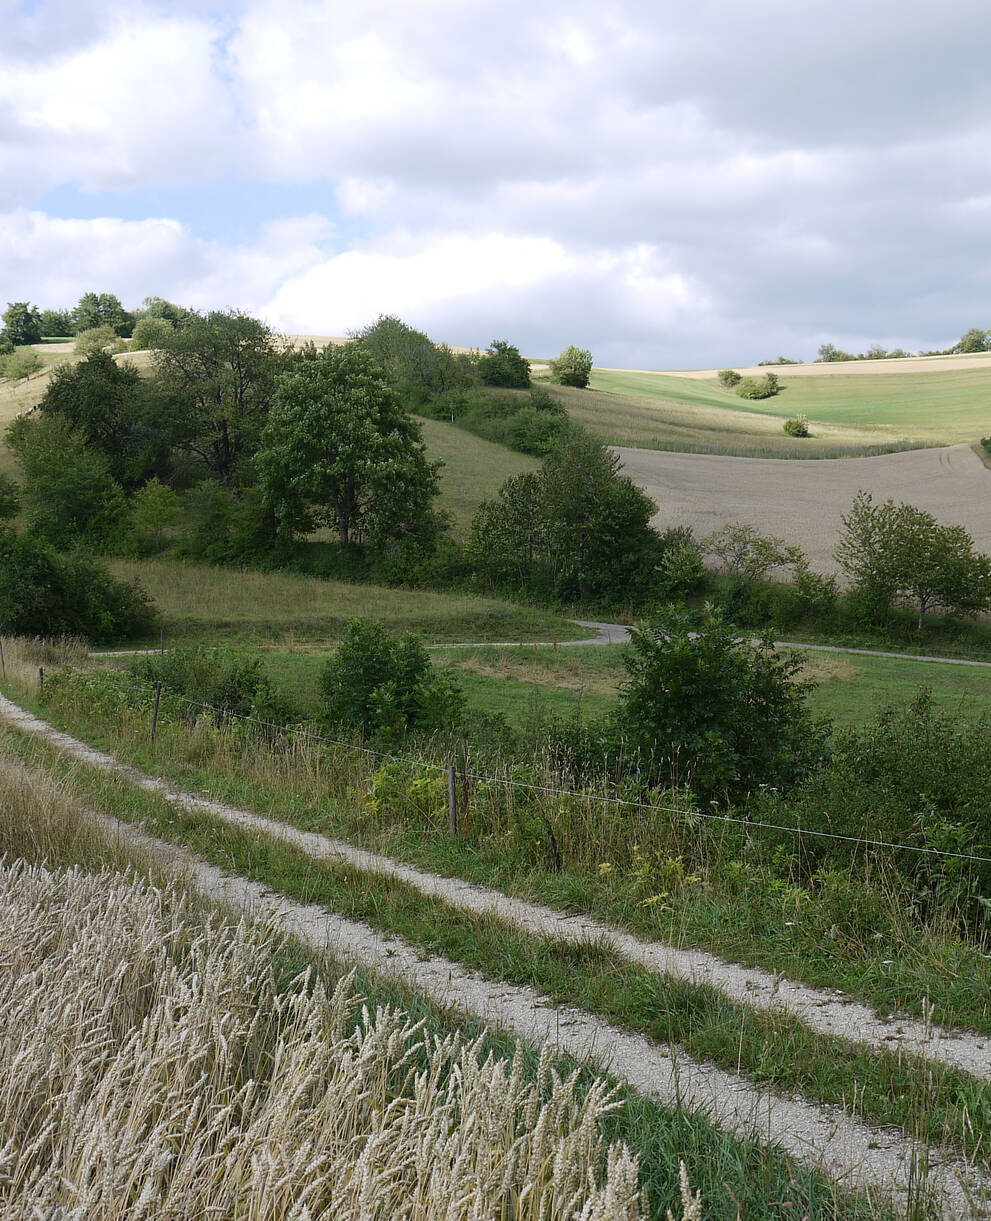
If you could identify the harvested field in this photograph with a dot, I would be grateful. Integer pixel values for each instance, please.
(802, 502)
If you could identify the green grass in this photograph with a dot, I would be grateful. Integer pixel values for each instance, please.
(474, 470)
(208, 605)
(776, 1050)
(709, 885)
(947, 406)
(724, 426)
(731, 1174)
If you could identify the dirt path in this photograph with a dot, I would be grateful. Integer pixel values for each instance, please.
(824, 1011)
(823, 1137)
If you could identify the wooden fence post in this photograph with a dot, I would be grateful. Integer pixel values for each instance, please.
(3, 664)
(452, 801)
(41, 680)
(154, 714)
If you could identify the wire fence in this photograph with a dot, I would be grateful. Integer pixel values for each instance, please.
(688, 814)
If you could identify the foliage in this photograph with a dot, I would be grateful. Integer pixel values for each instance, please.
(229, 683)
(708, 710)
(974, 340)
(385, 685)
(729, 378)
(22, 323)
(167, 311)
(419, 369)
(150, 332)
(10, 499)
(529, 424)
(6, 344)
(502, 365)
(828, 353)
(340, 450)
(68, 491)
(56, 323)
(914, 775)
(681, 571)
(45, 594)
(572, 368)
(98, 310)
(574, 530)
(21, 363)
(896, 551)
(758, 387)
(109, 405)
(746, 555)
(216, 378)
(154, 510)
(97, 339)
(797, 427)
(225, 528)
(781, 360)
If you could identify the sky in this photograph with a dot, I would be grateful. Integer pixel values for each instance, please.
(670, 185)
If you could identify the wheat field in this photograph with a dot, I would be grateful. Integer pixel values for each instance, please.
(152, 1067)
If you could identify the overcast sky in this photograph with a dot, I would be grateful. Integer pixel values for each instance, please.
(671, 185)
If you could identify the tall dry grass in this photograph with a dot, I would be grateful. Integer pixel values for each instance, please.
(24, 656)
(152, 1068)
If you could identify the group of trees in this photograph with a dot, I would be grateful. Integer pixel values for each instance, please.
(24, 323)
(749, 387)
(973, 340)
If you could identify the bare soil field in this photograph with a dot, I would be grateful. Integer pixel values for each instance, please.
(802, 502)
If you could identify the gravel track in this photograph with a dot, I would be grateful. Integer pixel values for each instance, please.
(823, 1010)
(802, 501)
(826, 1138)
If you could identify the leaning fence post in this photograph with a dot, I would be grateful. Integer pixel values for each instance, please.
(41, 680)
(452, 801)
(154, 713)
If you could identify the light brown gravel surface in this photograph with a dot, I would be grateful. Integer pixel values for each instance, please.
(802, 501)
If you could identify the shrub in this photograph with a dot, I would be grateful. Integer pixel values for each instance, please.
(572, 367)
(502, 365)
(231, 684)
(729, 378)
(97, 339)
(385, 685)
(151, 332)
(21, 363)
(758, 387)
(10, 500)
(45, 594)
(681, 570)
(707, 710)
(798, 427)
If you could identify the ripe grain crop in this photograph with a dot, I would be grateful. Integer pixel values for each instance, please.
(153, 1067)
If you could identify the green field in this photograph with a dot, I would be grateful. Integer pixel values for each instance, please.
(947, 406)
(533, 681)
(200, 603)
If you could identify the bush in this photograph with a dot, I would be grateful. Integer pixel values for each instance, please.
(20, 363)
(729, 378)
(758, 387)
(798, 427)
(10, 500)
(97, 339)
(151, 333)
(229, 683)
(681, 570)
(572, 368)
(45, 594)
(706, 710)
(502, 365)
(385, 685)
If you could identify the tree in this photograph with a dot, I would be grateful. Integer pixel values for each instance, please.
(897, 551)
(155, 508)
(747, 556)
(572, 368)
(828, 353)
(728, 378)
(68, 492)
(97, 339)
(385, 685)
(165, 311)
(340, 450)
(502, 365)
(151, 332)
(102, 309)
(419, 369)
(575, 530)
(56, 322)
(711, 711)
(216, 378)
(974, 340)
(22, 322)
(108, 404)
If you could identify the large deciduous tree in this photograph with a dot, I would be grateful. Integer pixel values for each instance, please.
(339, 450)
(572, 368)
(216, 376)
(419, 368)
(502, 365)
